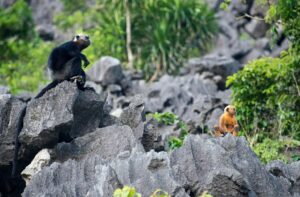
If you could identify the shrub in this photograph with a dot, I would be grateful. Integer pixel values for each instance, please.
(267, 92)
(270, 149)
(22, 53)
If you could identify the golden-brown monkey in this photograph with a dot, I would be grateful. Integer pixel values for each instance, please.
(228, 122)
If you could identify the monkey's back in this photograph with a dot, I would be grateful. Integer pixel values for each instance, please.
(61, 55)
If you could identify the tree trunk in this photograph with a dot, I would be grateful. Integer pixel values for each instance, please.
(128, 35)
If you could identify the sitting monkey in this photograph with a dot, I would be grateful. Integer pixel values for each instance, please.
(227, 123)
(64, 63)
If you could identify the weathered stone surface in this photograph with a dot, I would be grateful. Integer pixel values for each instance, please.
(4, 90)
(219, 65)
(41, 160)
(87, 177)
(214, 118)
(43, 13)
(10, 108)
(224, 96)
(107, 70)
(61, 114)
(217, 164)
(288, 174)
(257, 28)
(107, 142)
(222, 166)
(134, 116)
(155, 136)
(151, 170)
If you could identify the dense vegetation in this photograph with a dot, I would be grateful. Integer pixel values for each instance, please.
(267, 92)
(22, 52)
(151, 36)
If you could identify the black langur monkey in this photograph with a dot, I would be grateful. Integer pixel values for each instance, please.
(64, 63)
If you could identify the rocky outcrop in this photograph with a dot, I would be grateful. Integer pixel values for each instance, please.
(10, 108)
(92, 149)
(222, 166)
(107, 71)
(61, 114)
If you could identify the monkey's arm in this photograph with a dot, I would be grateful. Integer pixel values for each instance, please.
(86, 61)
(222, 123)
(77, 53)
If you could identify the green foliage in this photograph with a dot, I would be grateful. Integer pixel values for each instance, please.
(176, 142)
(126, 191)
(166, 118)
(224, 5)
(269, 150)
(22, 53)
(163, 32)
(16, 21)
(266, 94)
(205, 194)
(286, 14)
(296, 158)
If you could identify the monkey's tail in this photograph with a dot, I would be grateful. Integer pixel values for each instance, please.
(17, 143)
(48, 87)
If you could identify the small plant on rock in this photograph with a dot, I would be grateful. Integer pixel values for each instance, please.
(126, 191)
(168, 118)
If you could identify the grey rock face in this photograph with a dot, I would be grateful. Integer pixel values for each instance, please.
(219, 65)
(4, 90)
(6, 3)
(134, 116)
(43, 13)
(257, 28)
(87, 177)
(61, 114)
(10, 108)
(83, 168)
(288, 174)
(217, 164)
(105, 142)
(214, 118)
(155, 136)
(147, 172)
(106, 71)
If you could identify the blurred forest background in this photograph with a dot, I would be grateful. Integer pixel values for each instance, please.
(156, 37)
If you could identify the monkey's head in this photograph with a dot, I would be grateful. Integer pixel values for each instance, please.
(230, 109)
(82, 40)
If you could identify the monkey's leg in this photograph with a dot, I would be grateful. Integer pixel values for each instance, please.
(48, 87)
(76, 74)
(17, 143)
